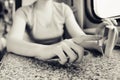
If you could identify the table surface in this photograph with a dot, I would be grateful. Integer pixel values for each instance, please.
(17, 67)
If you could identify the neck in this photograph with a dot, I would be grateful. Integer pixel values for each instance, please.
(42, 4)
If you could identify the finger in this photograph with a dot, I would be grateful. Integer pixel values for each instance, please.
(62, 57)
(114, 21)
(79, 51)
(110, 21)
(107, 21)
(69, 52)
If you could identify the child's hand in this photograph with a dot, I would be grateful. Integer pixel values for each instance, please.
(66, 51)
(75, 52)
(69, 51)
(53, 51)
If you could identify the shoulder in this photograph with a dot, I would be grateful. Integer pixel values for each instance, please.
(25, 10)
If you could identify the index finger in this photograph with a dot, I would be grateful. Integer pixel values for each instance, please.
(62, 57)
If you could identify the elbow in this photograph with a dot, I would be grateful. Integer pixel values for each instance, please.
(10, 44)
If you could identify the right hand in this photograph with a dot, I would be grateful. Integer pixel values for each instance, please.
(62, 50)
(68, 51)
(53, 51)
(75, 52)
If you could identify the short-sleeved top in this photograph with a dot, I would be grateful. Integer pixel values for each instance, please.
(55, 29)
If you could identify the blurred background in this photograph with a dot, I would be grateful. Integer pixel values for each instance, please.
(7, 9)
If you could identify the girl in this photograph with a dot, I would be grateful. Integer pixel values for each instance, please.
(37, 32)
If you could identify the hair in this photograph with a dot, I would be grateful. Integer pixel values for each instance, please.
(1, 10)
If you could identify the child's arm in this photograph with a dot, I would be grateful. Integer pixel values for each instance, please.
(16, 44)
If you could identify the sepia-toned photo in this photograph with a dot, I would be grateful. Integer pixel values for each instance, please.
(59, 40)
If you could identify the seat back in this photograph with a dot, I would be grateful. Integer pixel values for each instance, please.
(18, 3)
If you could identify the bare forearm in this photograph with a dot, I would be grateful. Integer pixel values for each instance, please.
(25, 48)
(88, 41)
(89, 44)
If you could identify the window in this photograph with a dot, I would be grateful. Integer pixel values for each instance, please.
(107, 8)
